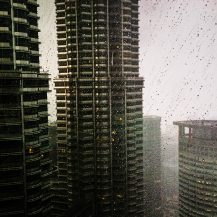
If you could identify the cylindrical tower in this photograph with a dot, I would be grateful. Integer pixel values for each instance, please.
(99, 107)
(197, 168)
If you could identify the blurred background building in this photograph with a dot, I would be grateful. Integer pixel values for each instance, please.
(152, 166)
(169, 172)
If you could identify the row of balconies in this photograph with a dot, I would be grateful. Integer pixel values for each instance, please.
(198, 189)
(198, 207)
(7, 61)
(198, 170)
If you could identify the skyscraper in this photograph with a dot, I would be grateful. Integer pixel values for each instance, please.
(99, 107)
(24, 147)
(152, 165)
(197, 168)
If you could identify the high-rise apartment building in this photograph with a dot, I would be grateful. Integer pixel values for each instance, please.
(99, 107)
(24, 147)
(197, 168)
(152, 165)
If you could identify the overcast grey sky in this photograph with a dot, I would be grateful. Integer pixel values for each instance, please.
(178, 56)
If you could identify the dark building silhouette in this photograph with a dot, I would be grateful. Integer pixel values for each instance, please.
(52, 130)
(24, 147)
(152, 165)
(197, 168)
(99, 107)
(80, 210)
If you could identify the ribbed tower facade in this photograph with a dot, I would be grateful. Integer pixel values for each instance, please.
(99, 107)
(152, 165)
(24, 147)
(197, 168)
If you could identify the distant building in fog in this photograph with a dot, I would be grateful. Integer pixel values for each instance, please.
(197, 168)
(25, 166)
(152, 165)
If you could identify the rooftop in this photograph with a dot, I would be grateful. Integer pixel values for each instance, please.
(197, 123)
(151, 117)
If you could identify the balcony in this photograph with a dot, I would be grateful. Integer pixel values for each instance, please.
(11, 181)
(21, 34)
(43, 88)
(35, 65)
(10, 167)
(20, 20)
(22, 48)
(32, 27)
(47, 173)
(35, 210)
(32, 171)
(22, 62)
(34, 40)
(31, 14)
(4, 13)
(4, 30)
(34, 197)
(33, 157)
(31, 103)
(6, 60)
(43, 114)
(10, 195)
(9, 121)
(35, 52)
(43, 138)
(19, 5)
(10, 137)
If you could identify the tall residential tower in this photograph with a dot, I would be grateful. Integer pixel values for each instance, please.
(99, 107)
(24, 147)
